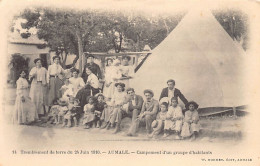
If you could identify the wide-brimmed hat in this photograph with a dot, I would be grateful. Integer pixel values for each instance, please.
(164, 99)
(196, 106)
(149, 91)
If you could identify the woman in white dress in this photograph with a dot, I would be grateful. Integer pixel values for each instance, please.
(38, 91)
(24, 111)
(76, 81)
(54, 79)
(118, 100)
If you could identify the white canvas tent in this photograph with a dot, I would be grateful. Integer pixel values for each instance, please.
(203, 60)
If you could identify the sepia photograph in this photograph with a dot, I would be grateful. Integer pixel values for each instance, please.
(151, 80)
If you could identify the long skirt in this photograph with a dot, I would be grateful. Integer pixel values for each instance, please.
(106, 114)
(88, 117)
(38, 95)
(83, 95)
(109, 91)
(24, 112)
(54, 91)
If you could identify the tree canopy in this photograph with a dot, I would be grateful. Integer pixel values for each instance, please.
(75, 32)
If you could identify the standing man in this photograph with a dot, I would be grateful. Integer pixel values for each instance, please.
(131, 109)
(148, 113)
(95, 68)
(171, 91)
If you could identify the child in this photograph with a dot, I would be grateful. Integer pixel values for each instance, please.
(25, 111)
(66, 90)
(73, 113)
(54, 111)
(63, 109)
(158, 124)
(191, 125)
(89, 115)
(173, 119)
(99, 108)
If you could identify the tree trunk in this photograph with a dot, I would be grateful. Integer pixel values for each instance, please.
(80, 48)
(166, 27)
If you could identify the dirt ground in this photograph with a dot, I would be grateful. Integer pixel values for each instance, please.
(218, 130)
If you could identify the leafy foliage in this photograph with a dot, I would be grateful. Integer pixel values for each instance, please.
(235, 23)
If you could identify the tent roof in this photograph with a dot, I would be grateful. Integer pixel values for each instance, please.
(203, 60)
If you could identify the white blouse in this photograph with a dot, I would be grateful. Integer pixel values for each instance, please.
(41, 74)
(77, 83)
(55, 69)
(93, 80)
(119, 98)
(22, 85)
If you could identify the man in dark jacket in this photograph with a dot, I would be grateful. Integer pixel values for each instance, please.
(171, 91)
(94, 66)
(132, 108)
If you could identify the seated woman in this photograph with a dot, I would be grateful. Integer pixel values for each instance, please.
(77, 82)
(90, 89)
(191, 124)
(159, 123)
(174, 119)
(118, 100)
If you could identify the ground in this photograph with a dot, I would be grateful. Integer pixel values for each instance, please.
(228, 130)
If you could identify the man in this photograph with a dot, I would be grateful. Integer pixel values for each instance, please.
(132, 108)
(171, 91)
(94, 66)
(148, 113)
(126, 70)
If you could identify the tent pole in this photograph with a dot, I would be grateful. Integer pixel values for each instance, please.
(235, 112)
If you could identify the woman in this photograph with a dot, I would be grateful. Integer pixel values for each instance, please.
(24, 111)
(127, 71)
(38, 75)
(118, 100)
(90, 89)
(77, 82)
(54, 79)
(108, 87)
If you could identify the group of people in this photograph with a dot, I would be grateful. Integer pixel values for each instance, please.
(73, 100)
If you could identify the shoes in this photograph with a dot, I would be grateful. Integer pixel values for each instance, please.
(98, 125)
(108, 126)
(165, 135)
(87, 127)
(104, 126)
(116, 130)
(129, 134)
